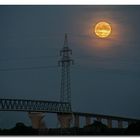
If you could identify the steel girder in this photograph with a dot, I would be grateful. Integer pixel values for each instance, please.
(34, 106)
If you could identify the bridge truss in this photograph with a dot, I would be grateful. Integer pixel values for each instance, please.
(34, 106)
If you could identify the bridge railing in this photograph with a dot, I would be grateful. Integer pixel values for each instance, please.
(34, 106)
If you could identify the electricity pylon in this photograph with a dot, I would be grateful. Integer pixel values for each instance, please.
(65, 63)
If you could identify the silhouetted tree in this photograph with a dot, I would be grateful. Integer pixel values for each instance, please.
(133, 129)
(19, 129)
(96, 127)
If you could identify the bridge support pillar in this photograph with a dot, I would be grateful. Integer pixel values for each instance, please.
(37, 120)
(64, 120)
(88, 120)
(120, 124)
(109, 123)
(76, 121)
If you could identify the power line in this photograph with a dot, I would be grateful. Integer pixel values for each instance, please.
(29, 68)
(96, 59)
(27, 58)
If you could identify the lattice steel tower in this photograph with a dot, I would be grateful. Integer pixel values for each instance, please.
(65, 63)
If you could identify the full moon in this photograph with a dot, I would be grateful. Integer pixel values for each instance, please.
(103, 29)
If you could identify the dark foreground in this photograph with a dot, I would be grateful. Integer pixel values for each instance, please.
(96, 128)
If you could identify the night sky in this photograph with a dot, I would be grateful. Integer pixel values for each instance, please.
(105, 78)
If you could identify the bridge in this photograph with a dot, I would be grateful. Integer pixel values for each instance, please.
(66, 116)
(37, 109)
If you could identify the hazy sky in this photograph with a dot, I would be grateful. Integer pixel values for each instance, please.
(106, 76)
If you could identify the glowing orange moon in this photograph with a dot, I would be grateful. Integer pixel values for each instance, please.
(103, 29)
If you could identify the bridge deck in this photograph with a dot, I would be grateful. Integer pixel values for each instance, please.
(105, 116)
